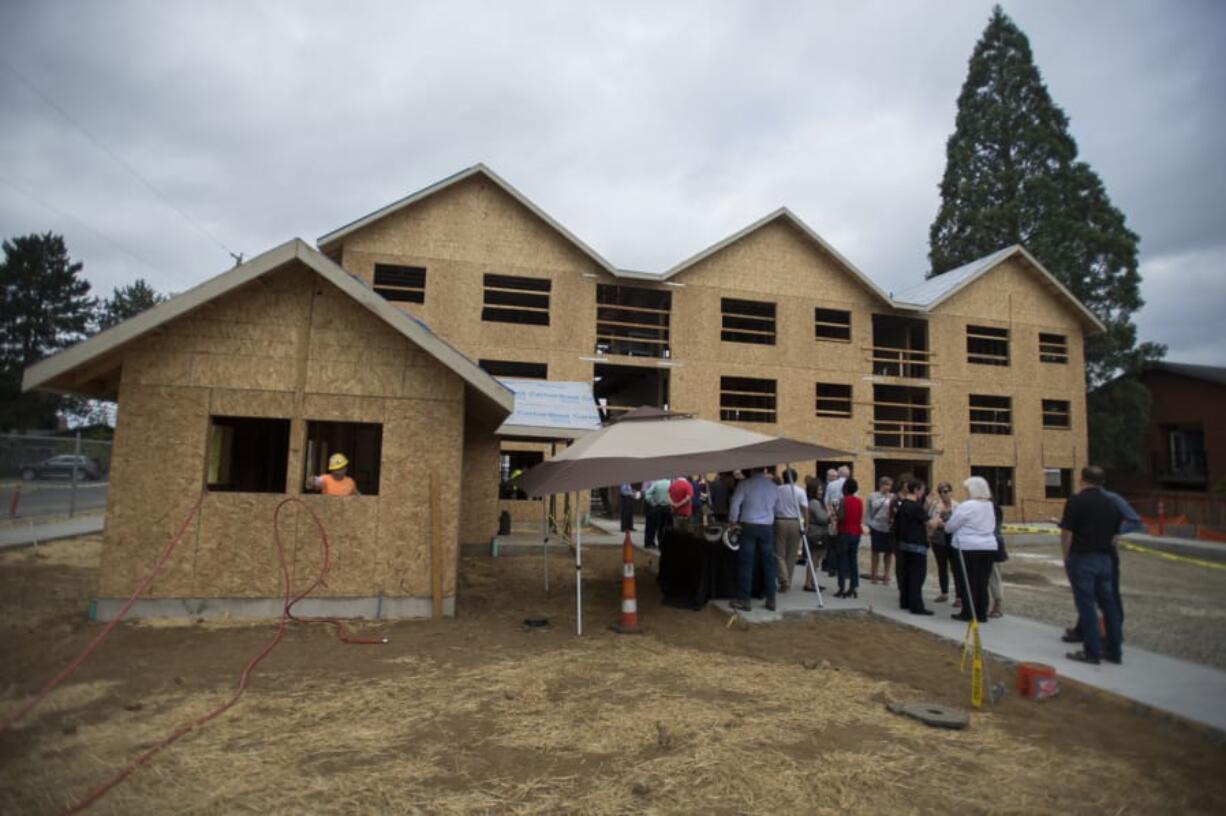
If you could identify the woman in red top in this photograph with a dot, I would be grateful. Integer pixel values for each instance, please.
(851, 528)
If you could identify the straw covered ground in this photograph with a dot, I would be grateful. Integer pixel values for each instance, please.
(479, 715)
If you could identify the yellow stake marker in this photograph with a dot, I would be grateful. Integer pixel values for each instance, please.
(972, 646)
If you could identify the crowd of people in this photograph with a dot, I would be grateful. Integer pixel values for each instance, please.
(905, 522)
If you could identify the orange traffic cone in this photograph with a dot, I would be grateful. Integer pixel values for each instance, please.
(629, 623)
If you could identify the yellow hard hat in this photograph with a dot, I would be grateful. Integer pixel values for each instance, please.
(337, 461)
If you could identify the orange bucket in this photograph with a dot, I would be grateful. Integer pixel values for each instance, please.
(1027, 673)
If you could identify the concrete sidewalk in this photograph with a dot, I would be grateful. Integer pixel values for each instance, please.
(25, 535)
(1185, 689)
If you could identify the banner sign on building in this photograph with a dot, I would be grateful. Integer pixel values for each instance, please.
(550, 409)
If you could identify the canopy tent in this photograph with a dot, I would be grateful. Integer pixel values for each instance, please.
(651, 443)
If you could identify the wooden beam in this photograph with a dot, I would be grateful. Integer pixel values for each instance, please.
(436, 545)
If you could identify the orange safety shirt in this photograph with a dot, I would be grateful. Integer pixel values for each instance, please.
(332, 486)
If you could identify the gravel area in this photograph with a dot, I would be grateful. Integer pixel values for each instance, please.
(1171, 607)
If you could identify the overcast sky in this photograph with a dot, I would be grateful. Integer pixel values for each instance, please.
(651, 130)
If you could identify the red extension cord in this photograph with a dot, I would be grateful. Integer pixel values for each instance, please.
(286, 616)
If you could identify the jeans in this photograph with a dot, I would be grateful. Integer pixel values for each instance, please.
(627, 513)
(757, 547)
(1090, 575)
(941, 553)
(653, 529)
(848, 561)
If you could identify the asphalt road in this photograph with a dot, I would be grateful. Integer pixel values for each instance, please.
(51, 498)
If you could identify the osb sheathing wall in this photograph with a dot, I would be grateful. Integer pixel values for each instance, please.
(460, 234)
(474, 227)
(289, 345)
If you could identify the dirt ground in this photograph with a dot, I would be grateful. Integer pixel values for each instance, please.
(476, 714)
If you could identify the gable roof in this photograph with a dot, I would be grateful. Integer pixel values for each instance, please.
(784, 214)
(44, 373)
(936, 290)
(476, 170)
(1210, 374)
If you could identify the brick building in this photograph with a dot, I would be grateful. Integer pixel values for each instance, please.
(977, 371)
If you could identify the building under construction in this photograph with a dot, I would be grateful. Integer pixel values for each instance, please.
(385, 342)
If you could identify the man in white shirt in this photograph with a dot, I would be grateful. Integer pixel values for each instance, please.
(752, 510)
(791, 517)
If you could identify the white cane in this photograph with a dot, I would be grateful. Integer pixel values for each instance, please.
(804, 540)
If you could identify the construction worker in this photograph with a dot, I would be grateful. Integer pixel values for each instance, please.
(335, 482)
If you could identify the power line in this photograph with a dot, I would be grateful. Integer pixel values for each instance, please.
(118, 159)
(36, 199)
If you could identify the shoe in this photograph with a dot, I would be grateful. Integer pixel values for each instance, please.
(957, 603)
(996, 613)
(1117, 660)
(840, 594)
(852, 594)
(744, 606)
(1082, 657)
(784, 587)
(1067, 638)
(958, 616)
(770, 604)
(922, 612)
(942, 598)
(809, 589)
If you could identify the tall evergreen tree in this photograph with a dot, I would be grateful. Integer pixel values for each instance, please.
(1012, 177)
(45, 306)
(128, 301)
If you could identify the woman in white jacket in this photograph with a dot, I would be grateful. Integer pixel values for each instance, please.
(973, 527)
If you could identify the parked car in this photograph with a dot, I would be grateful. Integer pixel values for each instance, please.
(63, 465)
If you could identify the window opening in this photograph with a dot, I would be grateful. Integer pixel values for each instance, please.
(515, 369)
(401, 283)
(987, 346)
(745, 399)
(633, 321)
(747, 321)
(991, 415)
(832, 324)
(247, 454)
(360, 442)
(900, 347)
(511, 465)
(1057, 483)
(1000, 482)
(1053, 348)
(1056, 414)
(515, 299)
(902, 417)
(833, 400)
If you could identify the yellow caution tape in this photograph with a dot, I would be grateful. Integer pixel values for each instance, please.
(1200, 562)
(1021, 528)
(972, 646)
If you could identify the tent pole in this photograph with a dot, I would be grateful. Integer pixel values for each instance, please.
(545, 541)
(578, 575)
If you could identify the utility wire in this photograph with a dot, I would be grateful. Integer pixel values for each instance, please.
(89, 228)
(118, 159)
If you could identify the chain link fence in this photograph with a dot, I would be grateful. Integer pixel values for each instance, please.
(53, 475)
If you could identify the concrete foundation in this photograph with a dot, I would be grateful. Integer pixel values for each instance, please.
(374, 608)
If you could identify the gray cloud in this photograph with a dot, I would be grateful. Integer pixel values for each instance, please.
(650, 130)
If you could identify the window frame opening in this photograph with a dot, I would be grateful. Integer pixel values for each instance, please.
(748, 321)
(987, 345)
(515, 369)
(400, 283)
(1000, 480)
(633, 321)
(241, 442)
(1053, 348)
(833, 325)
(992, 415)
(1052, 414)
(360, 442)
(518, 299)
(1061, 487)
(746, 399)
(835, 402)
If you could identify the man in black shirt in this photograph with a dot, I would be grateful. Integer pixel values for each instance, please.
(1090, 522)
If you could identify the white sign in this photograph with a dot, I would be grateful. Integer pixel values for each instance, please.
(547, 404)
